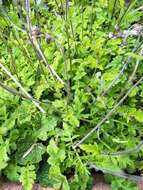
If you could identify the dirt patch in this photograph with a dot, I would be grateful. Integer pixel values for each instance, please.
(6, 185)
(99, 183)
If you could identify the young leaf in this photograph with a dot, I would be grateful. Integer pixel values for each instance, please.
(27, 177)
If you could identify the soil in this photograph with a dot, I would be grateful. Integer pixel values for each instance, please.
(98, 184)
(6, 185)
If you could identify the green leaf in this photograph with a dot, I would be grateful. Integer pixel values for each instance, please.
(136, 56)
(134, 92)
(33, 154)
(43, 175)
(48, 124)
(3, 155)
(57, 155)
(89, 148)
(7, 125)
(12, 172)
(122, 5)
(27, 177)
(110, 75)
(60, 179)
(42, 86)
(138, 115)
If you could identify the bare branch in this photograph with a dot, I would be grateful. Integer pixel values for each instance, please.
(52, 71)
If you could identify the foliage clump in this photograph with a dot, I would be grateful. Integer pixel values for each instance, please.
(66, 67)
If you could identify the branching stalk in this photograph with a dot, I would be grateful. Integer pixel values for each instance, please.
(121, 71)
(134, 71)
(108, 114)
(28, 10)
(128, 151)
(52, 71)
(17, 93)
(21, 87)
(36, 44)
(119, 173)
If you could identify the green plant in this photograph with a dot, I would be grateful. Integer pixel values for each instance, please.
(82, 68)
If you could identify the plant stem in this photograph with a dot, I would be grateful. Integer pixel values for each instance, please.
(37, 46)
(121, 71)
(131, 4)
(17, 93)
(134, 71)
(119, 174)
(114, 6)
(128, 151)
(108, 114)
(21, 87)
(28, 13)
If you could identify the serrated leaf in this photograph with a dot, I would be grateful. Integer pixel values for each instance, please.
(89, 148)
(43, 175)
(136, 56)
(27, 177)
(56, 154)
(3, 156)
(110, 75)
(138, 115)
(48, 124)
(12, 172)
(33, 154)
(60, 179)
(134, 92)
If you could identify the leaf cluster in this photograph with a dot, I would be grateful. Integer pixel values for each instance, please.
(97, 68)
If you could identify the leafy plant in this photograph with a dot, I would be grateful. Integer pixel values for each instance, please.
(70, 91)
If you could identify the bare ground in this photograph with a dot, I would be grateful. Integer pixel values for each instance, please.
(99, 184)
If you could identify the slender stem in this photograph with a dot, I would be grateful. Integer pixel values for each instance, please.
(36, 12)
(52, 71)
(82, 19)
(126, 11)
(37, 46)
(119, 174)
(73, 34)
(134, 71)
(68, 37)
(29, 150)
(15, 92)
(59, 8)
(66, 9)
(121, 71)
(28, 13)
(21, 87)
(91, 20)
(117, 77)
(108, 114)
(114, 6)
(128, 151)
